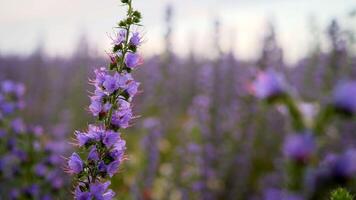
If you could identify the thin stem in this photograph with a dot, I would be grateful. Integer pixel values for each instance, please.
(296, 116)
(322, 120)
(120, 67)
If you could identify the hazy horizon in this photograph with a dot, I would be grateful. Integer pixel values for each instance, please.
(59, 24)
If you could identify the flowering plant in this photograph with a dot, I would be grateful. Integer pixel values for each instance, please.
(101, 148)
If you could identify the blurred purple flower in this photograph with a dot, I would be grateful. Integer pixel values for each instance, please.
(275, 194)
(299, 147)
(18, 125)
(344, 97)
(40, 169)
(268, 85)
(342, 166)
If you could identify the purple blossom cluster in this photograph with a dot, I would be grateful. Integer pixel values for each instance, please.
(11, 97)
(113, 93)
(28, 169)
(102, 146)
(344, 97)
(106, 152)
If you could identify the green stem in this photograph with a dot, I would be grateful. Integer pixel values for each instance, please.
(120, 67)
(296, 116)
(322, 120)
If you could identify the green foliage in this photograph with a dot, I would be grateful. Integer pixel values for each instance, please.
(341, 194)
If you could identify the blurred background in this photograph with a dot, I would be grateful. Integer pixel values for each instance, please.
(200, 134)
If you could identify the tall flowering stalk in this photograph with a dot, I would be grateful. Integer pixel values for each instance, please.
(101, 148)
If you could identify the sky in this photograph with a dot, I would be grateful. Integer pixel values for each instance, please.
(59, 23)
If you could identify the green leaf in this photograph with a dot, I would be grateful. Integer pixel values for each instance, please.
(341, 194)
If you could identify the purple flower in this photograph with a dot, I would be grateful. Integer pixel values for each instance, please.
(135, 39)
(299, 147)
(75, 163)
(132, 60)
(344, 97)
(79, 195)
(100, 191)
(120, 37)
(342, 167)
(32, 190)
(132, 88)
(93, 154)
(102, 166)
(8, 107)
(10, 87)
(95, 133)
(110, 84)
(112, 168)
(122, 80)
(119, 150)
(268, 85)
(123, 115)
(95, 107)
(110, 138)
(40, 169)
(82, 138)
(122, 118)
(18, 125)
(100, 76)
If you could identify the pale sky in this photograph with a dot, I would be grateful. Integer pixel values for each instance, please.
(59, 23)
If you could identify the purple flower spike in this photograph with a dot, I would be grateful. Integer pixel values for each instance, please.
(111, 106)
(299, 147)
(132, 60)
(75, 163)
(344, 97)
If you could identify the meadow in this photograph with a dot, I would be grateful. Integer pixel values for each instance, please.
(198, 128)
